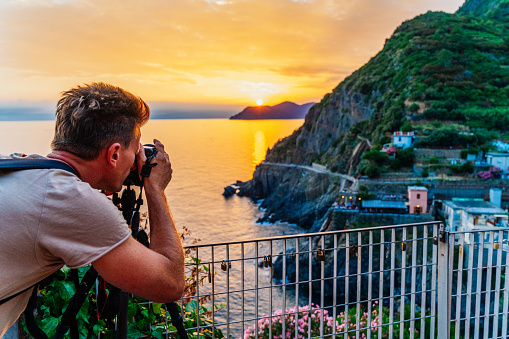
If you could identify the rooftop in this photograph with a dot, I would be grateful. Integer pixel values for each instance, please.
(497, 154)
(417, 188)
(475, 206)
(403, 134)
(383, 204)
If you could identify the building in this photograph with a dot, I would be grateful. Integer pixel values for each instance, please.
(473, 214)
(500, 160)
(384, 206)
(403, 139)
(417, 199)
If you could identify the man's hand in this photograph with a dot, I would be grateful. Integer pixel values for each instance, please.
(160, 176)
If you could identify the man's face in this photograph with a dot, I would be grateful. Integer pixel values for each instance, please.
(125, 162)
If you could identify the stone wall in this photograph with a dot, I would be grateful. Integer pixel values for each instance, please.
(437, 153)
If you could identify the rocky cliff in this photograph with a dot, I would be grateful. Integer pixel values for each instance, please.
(292, 194)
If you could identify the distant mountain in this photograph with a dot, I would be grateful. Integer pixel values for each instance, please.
(284, 110)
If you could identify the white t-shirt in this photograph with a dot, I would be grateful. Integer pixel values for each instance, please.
(49, 218)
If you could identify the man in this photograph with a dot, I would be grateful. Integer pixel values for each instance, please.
(51, 217)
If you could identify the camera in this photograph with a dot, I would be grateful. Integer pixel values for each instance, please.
(133, 178)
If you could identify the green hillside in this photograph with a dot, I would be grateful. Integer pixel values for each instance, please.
(455, 67)
(446, 76)
(497, 9)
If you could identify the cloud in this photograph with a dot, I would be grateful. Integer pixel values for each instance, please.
(194, 49)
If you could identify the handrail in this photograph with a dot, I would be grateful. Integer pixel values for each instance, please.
(307, 235)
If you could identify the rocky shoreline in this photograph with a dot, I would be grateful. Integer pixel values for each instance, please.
(289, 194)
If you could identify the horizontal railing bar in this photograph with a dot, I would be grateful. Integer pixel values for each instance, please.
(301, 282)
(303, 252)
(338, 305)
(277, 256)
(496, 229)
(406, 267)
(317, 234)
(475, 293)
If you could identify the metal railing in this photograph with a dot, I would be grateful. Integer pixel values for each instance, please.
(401, 281)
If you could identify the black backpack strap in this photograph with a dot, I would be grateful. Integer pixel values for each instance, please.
(24, 164)
(32, 327)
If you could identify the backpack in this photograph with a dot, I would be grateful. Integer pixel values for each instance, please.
(107, 305)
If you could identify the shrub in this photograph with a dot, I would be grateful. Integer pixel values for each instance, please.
(492, 173)
(144, 319)
(406, 156)
(396, 164)
(406, 127)
(465, 168)
(414, 108)
(372, 171)
(306, 321)
(433, 160)
(443, 137)
(376, 157)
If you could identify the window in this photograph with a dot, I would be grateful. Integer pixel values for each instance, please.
(418, 196)
(476, 220)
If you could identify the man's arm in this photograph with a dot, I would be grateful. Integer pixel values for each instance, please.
(157, 273)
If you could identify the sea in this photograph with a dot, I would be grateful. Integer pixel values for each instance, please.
(206, 155)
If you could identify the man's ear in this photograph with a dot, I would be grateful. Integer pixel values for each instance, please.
(113, 153)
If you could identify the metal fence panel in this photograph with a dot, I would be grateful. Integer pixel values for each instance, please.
(401, 281)
(374, 282)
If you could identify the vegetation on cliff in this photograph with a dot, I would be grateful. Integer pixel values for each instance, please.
(445, 76)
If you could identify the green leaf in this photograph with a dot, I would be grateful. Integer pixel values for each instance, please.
(134, 332)
(83, 332)
(97, 328)
(132, 309)
(49, 325)
(156, 308)
(191, 306)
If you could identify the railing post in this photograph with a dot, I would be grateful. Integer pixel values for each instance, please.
(444, 298)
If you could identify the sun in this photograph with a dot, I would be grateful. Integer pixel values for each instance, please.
(259, 102)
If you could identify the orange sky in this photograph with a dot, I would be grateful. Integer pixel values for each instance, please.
(194, 51)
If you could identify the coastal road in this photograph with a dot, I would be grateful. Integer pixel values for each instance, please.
(318, 169)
